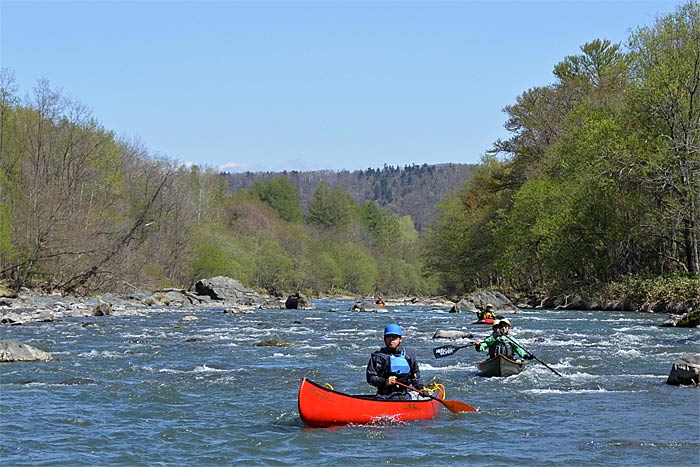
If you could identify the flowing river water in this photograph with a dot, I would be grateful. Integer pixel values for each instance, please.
(161, 390)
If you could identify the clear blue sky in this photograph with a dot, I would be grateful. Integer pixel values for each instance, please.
(291, 85)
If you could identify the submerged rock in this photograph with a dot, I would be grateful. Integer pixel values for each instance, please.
(274, 343)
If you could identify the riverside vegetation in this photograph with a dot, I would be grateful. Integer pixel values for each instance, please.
(597, 191)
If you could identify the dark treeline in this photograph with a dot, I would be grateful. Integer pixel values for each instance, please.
(600, 179)
(598, 183)
(412, 190)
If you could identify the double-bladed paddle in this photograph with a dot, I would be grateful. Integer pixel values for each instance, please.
(447, 350)
(533, 356)
(451, 405)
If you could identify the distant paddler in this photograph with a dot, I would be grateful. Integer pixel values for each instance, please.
(500, 343)
(486, 313)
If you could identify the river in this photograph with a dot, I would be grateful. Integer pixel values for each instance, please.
(160, 390)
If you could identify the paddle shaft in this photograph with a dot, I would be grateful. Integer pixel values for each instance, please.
(452, 406)
(533, 356)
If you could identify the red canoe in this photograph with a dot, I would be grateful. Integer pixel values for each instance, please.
(484, 321)
(320, 406)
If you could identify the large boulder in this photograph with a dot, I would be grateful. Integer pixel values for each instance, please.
(686, 320)
(451, 334)
(471, 304)
(574, 302)
(686, 370)
(298, 301)
(6, 292)
(11, 350)
(226, 290)
(368, 307)
(102, 309)
(24, 316)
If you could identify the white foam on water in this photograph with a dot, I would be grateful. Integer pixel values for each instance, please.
(317, 347)
(461, 366)
(207, 369)
(101, 354)
(568, 391)
(564, 343)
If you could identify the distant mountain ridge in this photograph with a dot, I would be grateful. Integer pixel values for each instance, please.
(413, 190)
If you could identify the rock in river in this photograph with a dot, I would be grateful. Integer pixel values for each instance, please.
(686, 370)
(12, 350)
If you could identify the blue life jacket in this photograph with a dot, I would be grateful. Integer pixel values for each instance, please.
(398, 364)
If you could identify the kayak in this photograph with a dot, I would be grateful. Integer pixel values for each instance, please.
(500, 366)
(484, 321)
(321, 406)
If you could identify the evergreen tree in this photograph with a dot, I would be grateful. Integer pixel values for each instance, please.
(282, 195)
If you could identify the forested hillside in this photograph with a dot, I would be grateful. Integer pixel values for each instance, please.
(411, 190)
(82, 210)
(597, 185)
(600, 179)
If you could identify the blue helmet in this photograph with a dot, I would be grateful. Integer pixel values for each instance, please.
(393, 329)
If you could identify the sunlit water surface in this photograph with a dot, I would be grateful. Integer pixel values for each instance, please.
(159, 390)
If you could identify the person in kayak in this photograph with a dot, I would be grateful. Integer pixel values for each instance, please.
(486, 313)
(501, 343)
(393, 363)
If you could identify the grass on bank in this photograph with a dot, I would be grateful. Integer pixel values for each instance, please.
(671, 288)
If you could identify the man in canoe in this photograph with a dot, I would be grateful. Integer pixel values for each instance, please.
(391, 364)
(501, 343)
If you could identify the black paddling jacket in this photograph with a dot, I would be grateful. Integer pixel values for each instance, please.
(379, 369)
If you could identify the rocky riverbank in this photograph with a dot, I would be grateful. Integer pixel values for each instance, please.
(222, 292)
(681, 314)
(28, 306)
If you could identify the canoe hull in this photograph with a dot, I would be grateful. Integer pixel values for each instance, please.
(484, 321)
(500, 366)
(322, 407)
